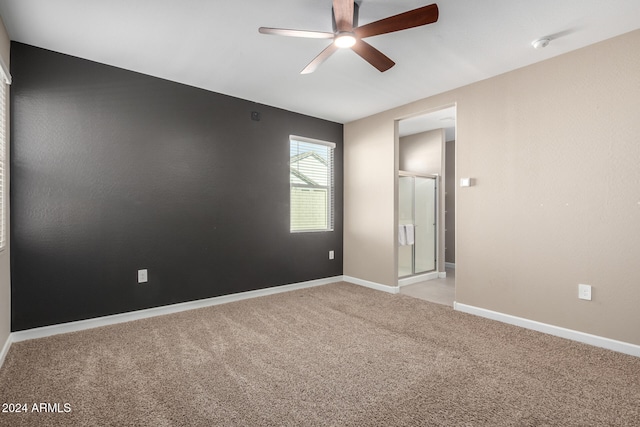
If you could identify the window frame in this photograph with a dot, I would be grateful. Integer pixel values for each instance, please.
(330, 187)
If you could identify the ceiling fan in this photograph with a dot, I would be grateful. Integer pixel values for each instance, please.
(347, 33)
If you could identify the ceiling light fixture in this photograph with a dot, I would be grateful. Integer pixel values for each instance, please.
(540, 43)
(345, 39)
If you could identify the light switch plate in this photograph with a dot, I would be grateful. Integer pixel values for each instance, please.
(584, 292)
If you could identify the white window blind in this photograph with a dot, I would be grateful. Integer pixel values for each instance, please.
(311, 184)
(5, 79)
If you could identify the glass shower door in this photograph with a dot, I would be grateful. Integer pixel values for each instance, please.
(405, 216)
(425, 225)
(417, 209)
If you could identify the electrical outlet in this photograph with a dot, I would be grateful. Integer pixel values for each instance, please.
(331, 255)
(143, 276)
(584, 292)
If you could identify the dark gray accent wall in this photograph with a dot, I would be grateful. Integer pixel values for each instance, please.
(113, 171)
(450, 202)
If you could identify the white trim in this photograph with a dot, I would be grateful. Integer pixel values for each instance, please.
(312, 140)
(595, 340)
(450, 265)
(417, 279)
(5, 349)
(81, 325)
(442, 275)
(372, 285)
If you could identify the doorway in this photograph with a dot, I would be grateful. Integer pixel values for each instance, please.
(426, 149)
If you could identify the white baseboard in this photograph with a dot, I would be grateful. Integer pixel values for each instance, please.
(80, 325)
(595, 340)
(422, 278)
(372, 285)
(417, 279)
(450, 265)
(5, 350)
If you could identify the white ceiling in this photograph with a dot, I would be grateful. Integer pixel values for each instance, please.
(215, 44)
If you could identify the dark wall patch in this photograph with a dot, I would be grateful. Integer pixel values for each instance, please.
(114, 171)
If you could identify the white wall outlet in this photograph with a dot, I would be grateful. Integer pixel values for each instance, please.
(143, 276)
(331, 255)
(584, 292)
(465, 182)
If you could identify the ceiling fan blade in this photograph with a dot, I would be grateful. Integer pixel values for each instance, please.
(295, 33)
(343, 12)
(313, 65)
(373, 56)
(403, 21)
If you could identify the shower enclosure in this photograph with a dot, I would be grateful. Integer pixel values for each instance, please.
(417, 196)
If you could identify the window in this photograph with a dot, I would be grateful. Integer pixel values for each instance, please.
(5, 79)
(311, 184)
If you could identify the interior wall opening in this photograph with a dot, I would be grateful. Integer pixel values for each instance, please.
(426, 203)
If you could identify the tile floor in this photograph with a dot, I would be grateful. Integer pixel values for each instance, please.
(441, 291)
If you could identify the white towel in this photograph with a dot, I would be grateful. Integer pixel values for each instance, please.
(409, 229)
(402, 236)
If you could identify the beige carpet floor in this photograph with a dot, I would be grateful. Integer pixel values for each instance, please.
(334, 355)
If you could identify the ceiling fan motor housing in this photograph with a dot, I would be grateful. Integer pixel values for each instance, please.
(355, 17)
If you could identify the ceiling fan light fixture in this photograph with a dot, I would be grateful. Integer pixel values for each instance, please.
(344, 39)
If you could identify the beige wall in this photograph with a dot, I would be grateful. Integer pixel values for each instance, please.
(370, 179)
(5, 276)
(422, 152)
(553, 148)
